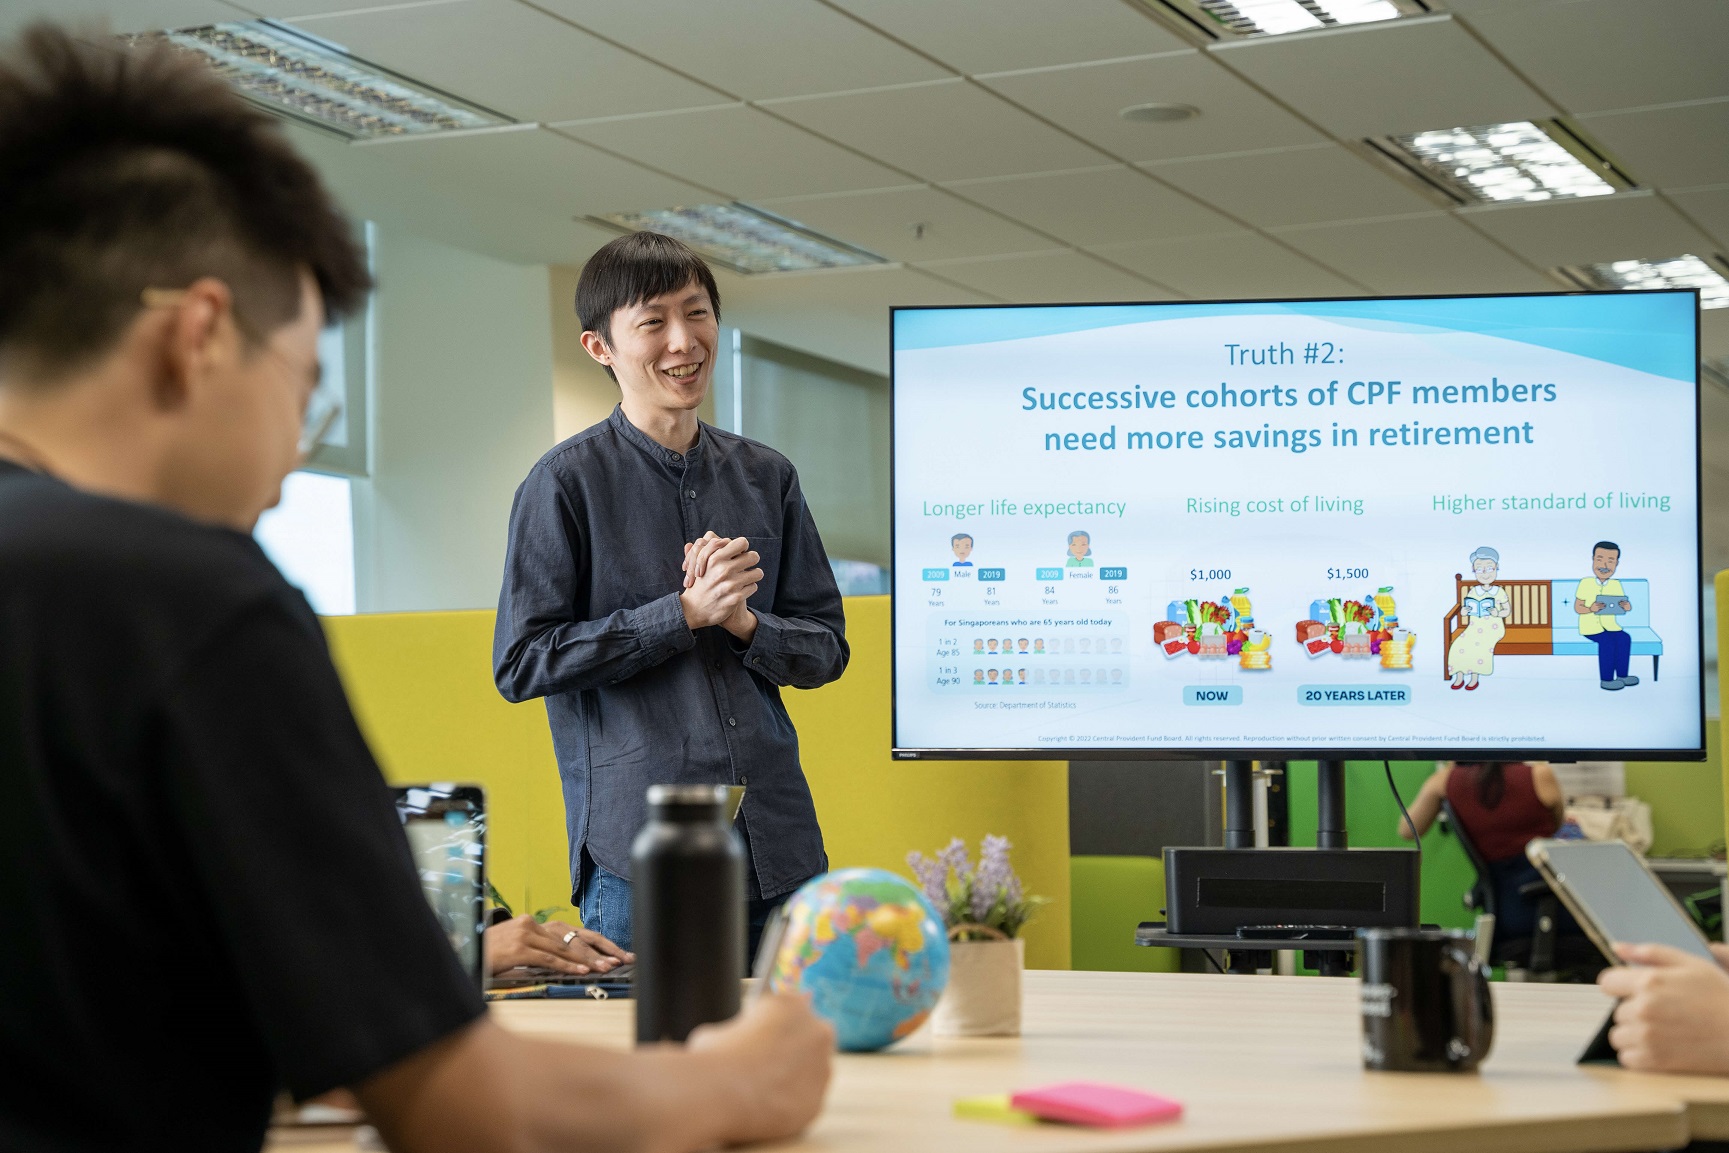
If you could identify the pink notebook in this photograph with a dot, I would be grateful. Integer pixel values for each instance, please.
(1090, 1103)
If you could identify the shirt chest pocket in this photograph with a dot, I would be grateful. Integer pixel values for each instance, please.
(768, 548)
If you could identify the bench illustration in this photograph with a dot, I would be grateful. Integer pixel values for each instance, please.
(1544, 624)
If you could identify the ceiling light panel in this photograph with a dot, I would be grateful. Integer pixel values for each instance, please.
(1686, 271)
(1280, 17)
(745, 239)
(1499, 163)
(310, 80)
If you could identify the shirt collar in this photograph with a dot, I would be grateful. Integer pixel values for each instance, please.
(621, 424)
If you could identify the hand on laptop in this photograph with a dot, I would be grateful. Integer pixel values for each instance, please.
(521, 941)
(1674, 1012)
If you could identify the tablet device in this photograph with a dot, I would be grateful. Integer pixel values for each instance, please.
(446, 828)
(1612, 606)
(1615, 897)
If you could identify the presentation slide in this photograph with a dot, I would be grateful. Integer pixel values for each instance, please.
(1463, 524)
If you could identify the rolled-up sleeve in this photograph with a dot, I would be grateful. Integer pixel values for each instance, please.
(541, 644)
(801, 642)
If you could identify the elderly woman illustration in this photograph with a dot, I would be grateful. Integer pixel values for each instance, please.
(1486, 607)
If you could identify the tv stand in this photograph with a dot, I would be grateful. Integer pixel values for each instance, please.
(1330, 952)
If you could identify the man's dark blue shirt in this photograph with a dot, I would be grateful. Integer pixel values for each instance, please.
(589, 618)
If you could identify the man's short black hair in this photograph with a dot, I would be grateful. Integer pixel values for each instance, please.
(132, 166)
(632, 269)
(1608, 544)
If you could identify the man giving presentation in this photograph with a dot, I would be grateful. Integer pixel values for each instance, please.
(664, 580)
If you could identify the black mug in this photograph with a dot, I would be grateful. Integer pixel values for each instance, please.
(1426, 1006)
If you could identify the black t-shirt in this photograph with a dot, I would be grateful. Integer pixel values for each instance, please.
(205, 893)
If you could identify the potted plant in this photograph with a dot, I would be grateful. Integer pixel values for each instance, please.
(985, 908)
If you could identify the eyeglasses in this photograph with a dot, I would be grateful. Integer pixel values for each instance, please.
(322, 408)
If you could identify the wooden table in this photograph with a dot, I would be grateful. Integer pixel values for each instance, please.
(1259, 1063)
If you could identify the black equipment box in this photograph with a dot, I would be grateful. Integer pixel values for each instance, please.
(1214, 890)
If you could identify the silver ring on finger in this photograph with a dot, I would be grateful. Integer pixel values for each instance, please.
(570, 936)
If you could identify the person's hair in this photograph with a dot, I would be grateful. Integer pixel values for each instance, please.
(129, 167)
(625, 272)
(1608, 544)
(1488, 554)
(959, 537)
(1082, 533)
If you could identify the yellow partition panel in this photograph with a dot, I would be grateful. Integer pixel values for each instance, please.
(875, 809)
(421, 686)
(1722, 641)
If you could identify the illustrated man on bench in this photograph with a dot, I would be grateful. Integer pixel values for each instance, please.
(1599, 601)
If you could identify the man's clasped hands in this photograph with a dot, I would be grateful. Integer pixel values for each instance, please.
(720, 575)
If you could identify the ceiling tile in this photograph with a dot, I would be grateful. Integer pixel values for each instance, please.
(1417, 255)
(951, 130)
(1631, 225)
(536, 169)
(1671, 147)
(1293, 186)
(118, 15)
(747, 153)
(754, 50)
(1087, 101)
(1240, 266)
(887, 222)
(511, 58)
(1593, 55)
(998, 35)
(1393, 77)
(841, 314)
(1710, 207)
(1097, 207)
(1049, 278)
(370, 185)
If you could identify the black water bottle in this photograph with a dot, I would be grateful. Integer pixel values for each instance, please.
(687, 908)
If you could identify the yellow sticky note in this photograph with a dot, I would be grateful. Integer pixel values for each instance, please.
(994, 1107)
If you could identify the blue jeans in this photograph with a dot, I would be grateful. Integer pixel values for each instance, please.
(1614, 654)
(604, 901)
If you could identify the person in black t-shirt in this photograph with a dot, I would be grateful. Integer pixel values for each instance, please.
(207, 896)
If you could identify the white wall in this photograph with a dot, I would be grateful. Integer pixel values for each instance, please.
(460, 409)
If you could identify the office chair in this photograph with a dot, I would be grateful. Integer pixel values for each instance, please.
(1533, 955)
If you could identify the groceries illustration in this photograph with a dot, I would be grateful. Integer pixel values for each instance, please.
(1215, 630)
(1358, 630)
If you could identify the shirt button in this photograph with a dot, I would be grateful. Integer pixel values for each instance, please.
(676, 456)
(743, 780)
(717, 666)
(732, 721)
(691, 493)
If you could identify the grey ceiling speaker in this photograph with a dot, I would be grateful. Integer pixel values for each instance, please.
(1159, 113)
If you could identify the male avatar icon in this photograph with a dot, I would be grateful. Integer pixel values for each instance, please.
(962, 544)
(1599, 592)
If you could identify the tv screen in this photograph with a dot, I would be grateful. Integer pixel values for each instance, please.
(1461, 527)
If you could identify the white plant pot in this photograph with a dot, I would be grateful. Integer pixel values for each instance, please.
(983, 998)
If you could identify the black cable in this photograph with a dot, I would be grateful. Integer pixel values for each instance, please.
(1416, 837)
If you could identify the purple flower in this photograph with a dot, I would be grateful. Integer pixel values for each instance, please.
(994, 877)
(933, 879)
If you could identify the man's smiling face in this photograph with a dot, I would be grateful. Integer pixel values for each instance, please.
(662, 349)
(1604, 562)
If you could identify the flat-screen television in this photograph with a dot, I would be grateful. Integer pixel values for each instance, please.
(1463, 527)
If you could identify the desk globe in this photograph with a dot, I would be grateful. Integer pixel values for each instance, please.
(868, 950)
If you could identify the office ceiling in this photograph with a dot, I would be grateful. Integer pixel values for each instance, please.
(978, 144)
